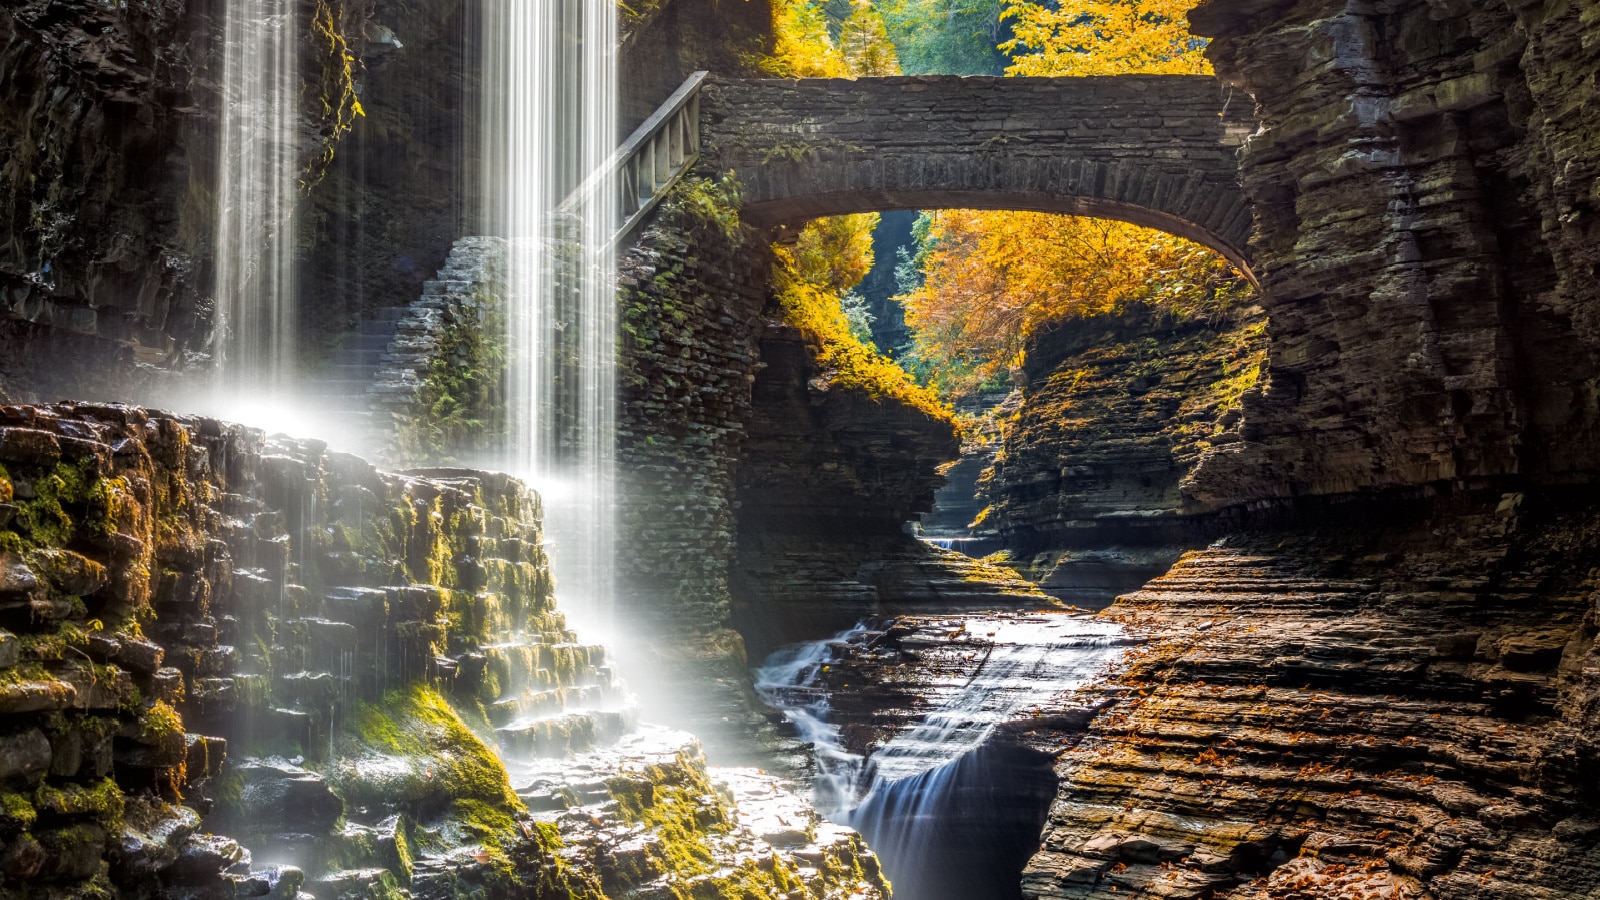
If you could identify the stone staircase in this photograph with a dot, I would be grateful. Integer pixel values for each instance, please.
(343, 392)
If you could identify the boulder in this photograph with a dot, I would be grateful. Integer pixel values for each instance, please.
(279, 797)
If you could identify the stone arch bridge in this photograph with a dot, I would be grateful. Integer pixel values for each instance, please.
(1159, 151)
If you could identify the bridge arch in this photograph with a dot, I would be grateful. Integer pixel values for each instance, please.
(1157, 151)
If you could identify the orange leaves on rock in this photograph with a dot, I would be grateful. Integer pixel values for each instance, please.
(846, 361)
(1104, 37)
(993, 278)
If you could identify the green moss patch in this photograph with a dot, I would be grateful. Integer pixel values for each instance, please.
(680, 805)
(413, 750)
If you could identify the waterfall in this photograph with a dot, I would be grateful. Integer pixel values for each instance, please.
(258, 187)
(923, 792)
(790, 680)
(550, 126)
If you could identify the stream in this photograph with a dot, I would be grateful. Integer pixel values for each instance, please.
(951, 812)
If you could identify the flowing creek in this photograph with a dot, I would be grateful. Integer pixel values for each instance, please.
(951, 810)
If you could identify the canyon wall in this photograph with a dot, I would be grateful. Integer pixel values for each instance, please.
(692, 289)
(1391, 693)
(109, 184)
(1421, 184)
(1085, 492)
(402, 185)
(1401, 707)
(829, 479)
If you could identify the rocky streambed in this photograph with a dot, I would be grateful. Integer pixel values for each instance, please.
(935, 735)
(1394, 703)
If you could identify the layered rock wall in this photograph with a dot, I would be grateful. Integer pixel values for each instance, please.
(1086, 491)
(403, 185)
(178, 595)
(1420, 204)
(203, 635)
(109, 187)
(1403, 708)
(830, 478)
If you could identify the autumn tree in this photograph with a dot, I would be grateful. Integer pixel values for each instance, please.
(806, 46)
(1103, 37)
(983, 282)
(832, 255)
(980, 299)
(802, 44)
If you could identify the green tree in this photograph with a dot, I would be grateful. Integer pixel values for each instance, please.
(948, 37)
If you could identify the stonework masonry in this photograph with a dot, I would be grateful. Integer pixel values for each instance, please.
(1154, 150)
(691, 298)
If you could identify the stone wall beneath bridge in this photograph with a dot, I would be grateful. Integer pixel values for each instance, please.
(1159, 151)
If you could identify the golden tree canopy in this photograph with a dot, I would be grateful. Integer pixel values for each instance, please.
(992, 279)
(1104, 37)
(805, 48)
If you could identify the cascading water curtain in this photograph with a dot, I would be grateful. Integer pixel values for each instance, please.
(258, 187)
(550, 128)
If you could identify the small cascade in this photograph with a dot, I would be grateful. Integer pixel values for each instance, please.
(943, 783)
(790, 680)
(550, 113)
(258, 189)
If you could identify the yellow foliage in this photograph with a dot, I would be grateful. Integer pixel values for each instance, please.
(993, 278)
(865, 44)
(835, 253)
(1104, 37)
(804, 47)
(846, 361)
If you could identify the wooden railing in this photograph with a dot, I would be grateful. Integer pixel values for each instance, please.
(649, 162)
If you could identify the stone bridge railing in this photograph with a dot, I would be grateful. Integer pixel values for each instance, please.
(659, 152)
(1160, 151)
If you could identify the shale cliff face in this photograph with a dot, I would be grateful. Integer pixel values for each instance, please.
(1086, 492)
(1422, 184)
(1401, 710)
(829, 478)
(1392, 698)
(402, 184)
(108, 188)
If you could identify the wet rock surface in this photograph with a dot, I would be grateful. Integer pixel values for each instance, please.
(1086, 495)
(1390, 710)
(286, 673)
(626, 812)
(958, 719)
(107, 192)
(829, 477)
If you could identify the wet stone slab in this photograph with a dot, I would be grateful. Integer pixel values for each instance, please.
(625, 810)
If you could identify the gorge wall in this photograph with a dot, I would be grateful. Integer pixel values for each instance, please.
(1421, 188)
(1402, 708)
(1392, 693)
(830, 477)
(109, 185)
(1085, 492)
